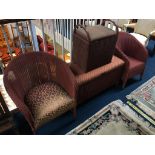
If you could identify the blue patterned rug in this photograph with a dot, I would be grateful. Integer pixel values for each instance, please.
(116, 118)
(144, 97)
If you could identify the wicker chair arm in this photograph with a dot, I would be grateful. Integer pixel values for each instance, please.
(122, 56)
(66, 78)
(75, 69)
(20, 104)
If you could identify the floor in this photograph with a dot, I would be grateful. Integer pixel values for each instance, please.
(65, 123)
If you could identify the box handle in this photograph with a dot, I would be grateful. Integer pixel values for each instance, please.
(103, 23)
(84, 28)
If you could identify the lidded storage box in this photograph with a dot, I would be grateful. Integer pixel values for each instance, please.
(93, 46)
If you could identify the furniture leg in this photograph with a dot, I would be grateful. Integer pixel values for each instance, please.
(124, 83)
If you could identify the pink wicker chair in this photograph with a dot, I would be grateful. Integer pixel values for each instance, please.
(133, 53)
(42, 87)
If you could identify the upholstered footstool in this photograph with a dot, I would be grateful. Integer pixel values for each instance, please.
(48, 101)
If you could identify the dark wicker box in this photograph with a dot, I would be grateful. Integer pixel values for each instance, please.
(93, 46)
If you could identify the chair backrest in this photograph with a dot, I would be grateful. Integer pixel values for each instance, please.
(31, 69)
(122, 41)
(145, 26)
(129, 45)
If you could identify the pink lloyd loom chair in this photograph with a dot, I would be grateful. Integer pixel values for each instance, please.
(133, 53)
(41, 85)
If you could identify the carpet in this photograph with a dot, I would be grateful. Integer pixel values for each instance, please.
(144, 97)
(116, 118)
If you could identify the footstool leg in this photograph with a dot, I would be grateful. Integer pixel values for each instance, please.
(124, 84)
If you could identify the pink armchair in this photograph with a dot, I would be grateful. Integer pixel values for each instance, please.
(133, 53)
(35, 82)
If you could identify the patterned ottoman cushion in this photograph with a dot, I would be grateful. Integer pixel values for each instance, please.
(48, 101)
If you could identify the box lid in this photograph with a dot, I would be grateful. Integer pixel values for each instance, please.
(95, 32)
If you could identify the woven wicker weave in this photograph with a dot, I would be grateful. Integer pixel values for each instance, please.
(93, 46)
(31, 69)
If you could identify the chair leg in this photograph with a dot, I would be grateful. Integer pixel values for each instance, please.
(124, 83)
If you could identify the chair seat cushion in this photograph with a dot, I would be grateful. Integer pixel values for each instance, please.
(135, 66)
(47, 101)
(142, 39)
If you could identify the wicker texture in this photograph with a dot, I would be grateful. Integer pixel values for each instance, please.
(91, 83)
(133, 53)
(32, 69)
(93, 46)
